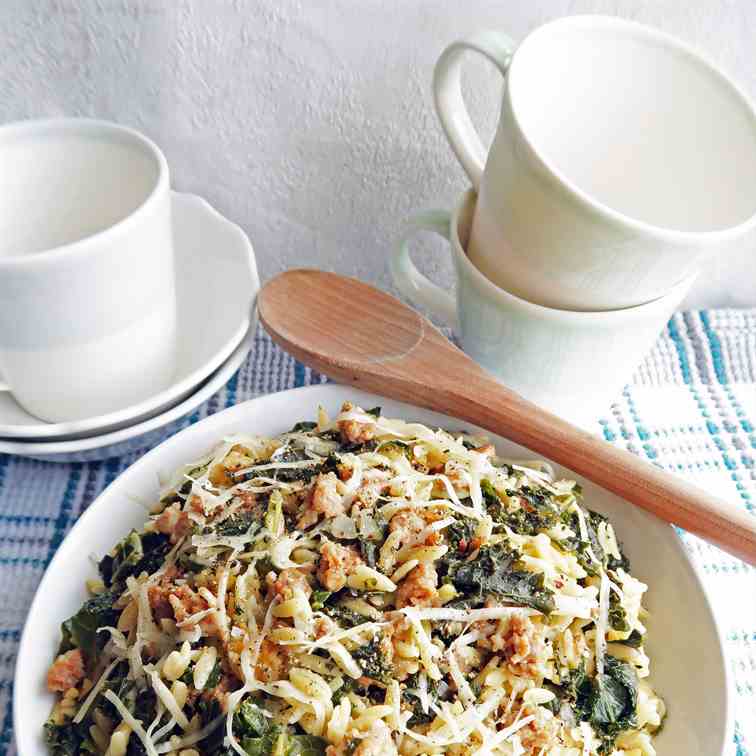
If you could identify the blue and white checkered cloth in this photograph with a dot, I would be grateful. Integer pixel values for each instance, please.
(691, 408)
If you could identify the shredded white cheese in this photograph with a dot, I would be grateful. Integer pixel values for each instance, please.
(98, 686)
(441, 614)
(602, 622)
(193, 737)
(164, 694)
(135, 724)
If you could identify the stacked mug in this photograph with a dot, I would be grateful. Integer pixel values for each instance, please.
(623, 160)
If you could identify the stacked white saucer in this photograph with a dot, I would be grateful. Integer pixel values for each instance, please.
(216, 285)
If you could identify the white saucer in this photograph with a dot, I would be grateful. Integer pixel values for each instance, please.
(143, 435)
(216, 280)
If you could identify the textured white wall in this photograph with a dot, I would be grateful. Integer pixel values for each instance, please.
(310, 122)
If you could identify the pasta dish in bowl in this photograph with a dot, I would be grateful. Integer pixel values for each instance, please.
(360, 585)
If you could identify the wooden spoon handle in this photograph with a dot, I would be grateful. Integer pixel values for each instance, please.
(365, 338)
(666, 495)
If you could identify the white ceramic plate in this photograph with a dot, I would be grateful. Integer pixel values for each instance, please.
(216, 278)
(134, 437)
(688, 663)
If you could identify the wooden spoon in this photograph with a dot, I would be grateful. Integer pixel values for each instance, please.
(363, 337)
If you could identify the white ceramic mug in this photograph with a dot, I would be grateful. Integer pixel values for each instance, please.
(87, 301)
(622, 161)
(572, 363)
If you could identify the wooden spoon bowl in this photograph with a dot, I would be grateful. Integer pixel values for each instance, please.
(362, 336)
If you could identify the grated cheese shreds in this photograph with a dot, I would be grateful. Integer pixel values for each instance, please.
(220, 601)
(168, 700)
(160, 733)
(602, 623)
(466, 694)
(466, 615)
(493, 741)
(98, 686)
(159, 712)
(193, 738)
(369, 584)
(133, 723)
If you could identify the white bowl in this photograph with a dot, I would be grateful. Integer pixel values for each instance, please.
(216, 280)
(687, 657)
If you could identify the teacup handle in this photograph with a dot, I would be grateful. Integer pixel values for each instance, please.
(450, 106)
(410, 281)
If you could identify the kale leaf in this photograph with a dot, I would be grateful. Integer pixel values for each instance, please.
(460, 533)
(536, 511)
(359, 447)
(617, 614)
(272, 743)
(306, 745)
(412, 697)
(581, 547)
(612, 563)
(80, 631)
(240, 523)
(329, 464)
(575, 690)
(592, 522)
(491, 499)
(208, 707)
(144, 709)
(397, 447)
(635, 640)
(607, 701)
(615, 697)
(348, 686)
(318, 599)
(249, 720)
(287, 454)
(495, 571)
(535, 514)
(68, 739)
(278, 742)
(374, 661)
(125, 689)
(343, 616)
(304, 426)
(133, 555)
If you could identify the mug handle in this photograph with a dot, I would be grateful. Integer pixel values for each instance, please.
(410, 281)
(447, 94)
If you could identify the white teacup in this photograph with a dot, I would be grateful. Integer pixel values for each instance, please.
(622, 161)
(572, 363)
(87, 301)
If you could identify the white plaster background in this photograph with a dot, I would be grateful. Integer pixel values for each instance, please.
(310, 122)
